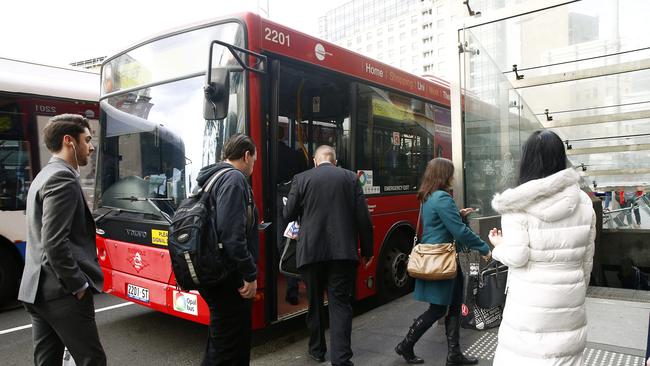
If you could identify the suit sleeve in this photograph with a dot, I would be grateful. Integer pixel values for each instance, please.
(292, 209)
(588, 260)
(450, 216)
(231, 223)
(60, 199)
(364, 223)
(514, 250)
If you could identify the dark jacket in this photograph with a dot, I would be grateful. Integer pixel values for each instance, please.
(442, 223)
(61, 255)
(333, 215)
(232, 195)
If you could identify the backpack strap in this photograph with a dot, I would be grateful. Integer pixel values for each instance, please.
(214, 178)
(249, 196)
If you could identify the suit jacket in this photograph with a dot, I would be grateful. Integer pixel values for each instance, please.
(61, 255)
(333, 215)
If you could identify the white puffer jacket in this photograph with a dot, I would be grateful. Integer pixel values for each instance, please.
(548, 244)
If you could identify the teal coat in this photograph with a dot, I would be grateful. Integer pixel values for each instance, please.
(441, 223)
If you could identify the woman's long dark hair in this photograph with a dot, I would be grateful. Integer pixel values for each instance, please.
(542, 155)
(437, 176)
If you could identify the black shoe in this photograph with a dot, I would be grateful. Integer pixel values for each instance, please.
(454, 359)
(407, 354)
(293, 300)
(317, 358)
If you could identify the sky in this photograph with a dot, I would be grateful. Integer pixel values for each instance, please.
(63, 31)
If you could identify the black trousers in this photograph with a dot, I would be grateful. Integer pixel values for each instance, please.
(66, 322)
(230, 333)
(338, 278)
(435, 311)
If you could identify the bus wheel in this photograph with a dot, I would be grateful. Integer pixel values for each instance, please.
(9, 275)
(393, 280)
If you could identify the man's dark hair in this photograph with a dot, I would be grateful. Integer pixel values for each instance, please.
(542, 155)
(236, 146)
(61, 125)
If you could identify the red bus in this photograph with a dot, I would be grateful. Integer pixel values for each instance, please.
(281, 87)
(29, 95)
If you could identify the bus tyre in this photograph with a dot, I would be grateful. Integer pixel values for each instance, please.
(393, 280)
(10, 268)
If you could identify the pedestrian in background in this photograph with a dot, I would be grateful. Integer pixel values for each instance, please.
(235, 220)
(333, 214)
(442, 222)
(549, 227)
(61, 269)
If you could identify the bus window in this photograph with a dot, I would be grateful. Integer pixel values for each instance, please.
(15, 173)
(394, 140)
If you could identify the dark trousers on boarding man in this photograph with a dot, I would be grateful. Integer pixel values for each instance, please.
(338, 278)
(66, 322)
(229, 334)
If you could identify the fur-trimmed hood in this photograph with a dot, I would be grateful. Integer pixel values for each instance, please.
(550, 199)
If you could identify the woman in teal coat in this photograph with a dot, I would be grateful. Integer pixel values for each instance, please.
(442, 222)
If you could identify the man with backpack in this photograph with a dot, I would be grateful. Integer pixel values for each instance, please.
(234, 218)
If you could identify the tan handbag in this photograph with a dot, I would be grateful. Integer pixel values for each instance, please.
(431, 261)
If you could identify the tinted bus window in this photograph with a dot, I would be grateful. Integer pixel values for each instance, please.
(394, 140)
(15, 173)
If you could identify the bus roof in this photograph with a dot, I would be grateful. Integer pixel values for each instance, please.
(48, 81)
(321, 53)
(306, 48)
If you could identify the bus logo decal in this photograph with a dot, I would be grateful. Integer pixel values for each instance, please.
(320, 52)
(137, 260)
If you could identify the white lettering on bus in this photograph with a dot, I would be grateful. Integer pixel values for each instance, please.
(278, 37)
(396, 188)
(402, 81)
(374, 70)
(45, 108)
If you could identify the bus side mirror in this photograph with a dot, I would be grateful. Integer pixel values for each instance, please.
(217, 94)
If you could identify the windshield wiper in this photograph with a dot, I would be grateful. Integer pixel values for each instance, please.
(151, 201)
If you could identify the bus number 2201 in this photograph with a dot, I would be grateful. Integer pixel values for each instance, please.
(277, 37)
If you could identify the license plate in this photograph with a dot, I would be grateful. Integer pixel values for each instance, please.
(137, 292)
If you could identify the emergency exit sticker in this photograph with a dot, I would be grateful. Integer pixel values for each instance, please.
(159, 237)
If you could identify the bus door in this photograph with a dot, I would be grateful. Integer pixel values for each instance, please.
(308, 108)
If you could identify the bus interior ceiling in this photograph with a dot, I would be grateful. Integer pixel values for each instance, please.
(591, 89)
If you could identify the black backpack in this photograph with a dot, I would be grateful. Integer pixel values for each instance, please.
(197, 256)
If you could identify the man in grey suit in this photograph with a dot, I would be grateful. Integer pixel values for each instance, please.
(61, 268)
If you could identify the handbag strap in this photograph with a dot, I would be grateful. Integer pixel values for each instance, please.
(417, 227)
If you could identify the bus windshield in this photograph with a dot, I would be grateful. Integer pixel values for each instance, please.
(155, 140)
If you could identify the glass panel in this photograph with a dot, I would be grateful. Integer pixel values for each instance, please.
(582, 29)
(603, 35)
(496, 123)
(168, 58)
(395, 139)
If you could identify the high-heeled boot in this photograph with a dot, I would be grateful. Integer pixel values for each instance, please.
(454, 355)
(405, 347)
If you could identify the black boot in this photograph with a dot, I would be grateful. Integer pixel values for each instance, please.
(454, 355)
(405, 347)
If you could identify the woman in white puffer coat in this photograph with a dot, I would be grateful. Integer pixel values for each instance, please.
(548, 227)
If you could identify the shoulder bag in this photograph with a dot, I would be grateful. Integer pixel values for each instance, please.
(431, 261)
